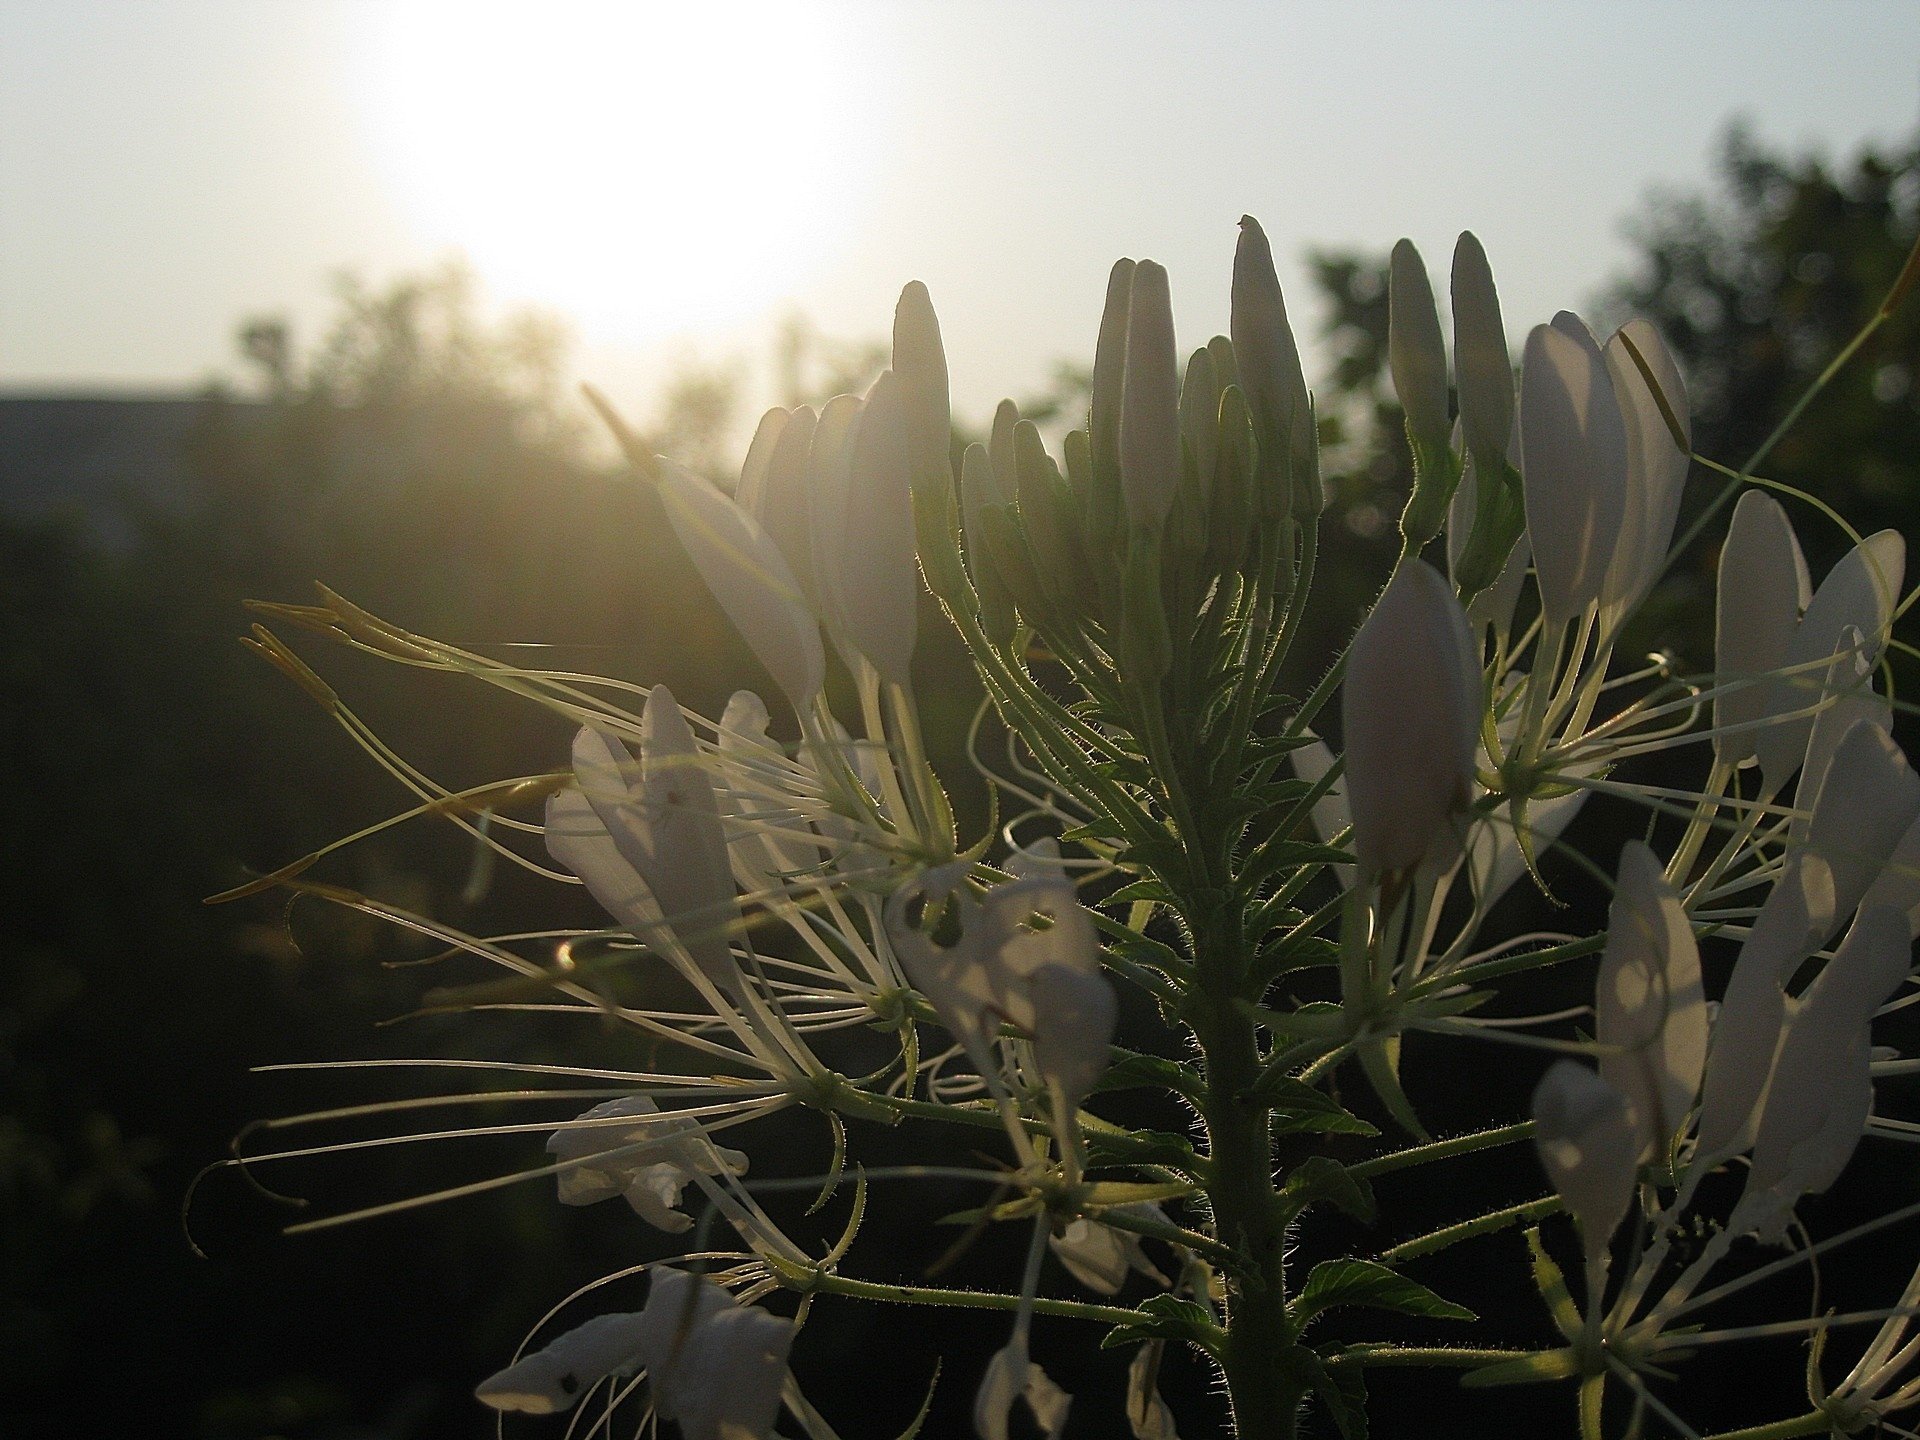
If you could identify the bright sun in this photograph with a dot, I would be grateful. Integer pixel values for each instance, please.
(647, 168)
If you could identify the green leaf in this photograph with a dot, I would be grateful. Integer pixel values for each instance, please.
(1318, 1178)
(1141, 1147)
(1361, 1282)
(1299, 1109)
(1148, 889)
(926, 1407)
(1151, 1072)
(1167, 1317)
(1344, 1392)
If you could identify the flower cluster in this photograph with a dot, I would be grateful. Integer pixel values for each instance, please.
(1169, 821)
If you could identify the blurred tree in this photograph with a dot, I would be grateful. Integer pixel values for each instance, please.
(1758, 286)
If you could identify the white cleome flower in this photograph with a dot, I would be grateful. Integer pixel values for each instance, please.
(649, 1160)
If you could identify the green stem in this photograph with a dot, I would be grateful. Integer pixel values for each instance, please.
(1816, 1422)
(1246, 1217)
(1444, 1149)
(1458, 1356)
(820, 1282)
(1438, 1240)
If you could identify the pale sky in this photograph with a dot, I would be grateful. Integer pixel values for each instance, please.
(673, 178)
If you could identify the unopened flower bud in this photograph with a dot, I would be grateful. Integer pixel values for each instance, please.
(1268, 361)
(1416, 353)
(1410, 708)
(1107, 512)
(920, 363)
(1483, 370)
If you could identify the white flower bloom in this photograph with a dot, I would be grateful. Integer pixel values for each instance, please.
(1585, 1132)
(1656, 464)
(1650, 1008)
(1101, 1256)
(667, 827)
(1416, 353)
(1411, 708)
(715, 1366)
(649, 1162)
(1147, 1414)
(1150, 409)
(1042, 977)
(750, 578)
(1482, 367)
(1012, 1376)
(1822, 1090)
(1573, 447)
(553, 1379)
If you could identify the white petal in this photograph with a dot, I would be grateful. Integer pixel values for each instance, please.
(1589, 1146)
(554, 1378)
(1813, 1114)
(1656, 463)
(1574, 467)
(1899, 882)
(726, 1378)
(1649, 1004)
(875, 580)
(577, 839)
(1012, 1376)
(1762, 589)
(1147, 1413)
(1858, 594)
(1411, 711)
(1849, 681)
(753, 470)
(1074, 1015)
(750, 578)
(1868, 798)
(669, 830)
(784, 502)
(1746, 1032)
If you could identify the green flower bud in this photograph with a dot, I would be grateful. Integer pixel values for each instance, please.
(979, 489)
(1105, 518)
(1483, 370)
(1268, 364)
(1150, 408)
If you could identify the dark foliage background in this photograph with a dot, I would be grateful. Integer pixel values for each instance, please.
(428, 467)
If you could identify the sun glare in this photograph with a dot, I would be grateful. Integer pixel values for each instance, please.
(648, 169)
